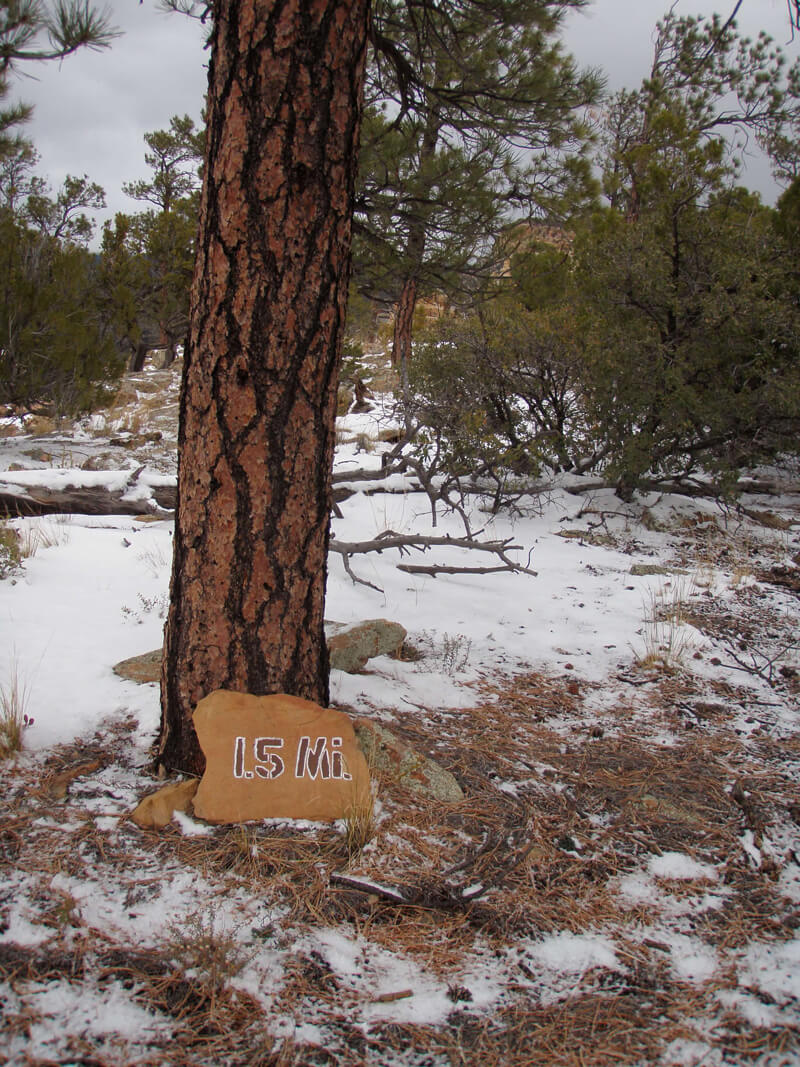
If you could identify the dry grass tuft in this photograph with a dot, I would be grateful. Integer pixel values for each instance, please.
(201, 944)
(43, 533)
(14, 719)
(667, 638)
(360, 825)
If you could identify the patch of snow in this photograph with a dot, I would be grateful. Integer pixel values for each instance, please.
(691, 960)
(683, 1052)
(62, 1007)
(638, 889)
(678, 865)
(18, 920)
(189, 827)
(774, 968)
(574, 954)
(754, 1011)
(751, 850)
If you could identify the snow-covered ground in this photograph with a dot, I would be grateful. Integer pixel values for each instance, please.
(625, 726)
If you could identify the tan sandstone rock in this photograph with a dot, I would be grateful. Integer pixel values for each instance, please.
(157, 809)
(277, 756)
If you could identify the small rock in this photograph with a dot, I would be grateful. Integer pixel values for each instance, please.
(350, 649)
(641, 570)
(156, 810)
(388, 755)
(141, 669)
(39, 455)
(58, 785)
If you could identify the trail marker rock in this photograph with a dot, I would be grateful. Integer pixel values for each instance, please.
(277, 757)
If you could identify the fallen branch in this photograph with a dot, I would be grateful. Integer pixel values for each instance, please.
(439, 893)
(404, 542)
(366, 885)
(689, 487)
(390, 539)
(81, 500)
(389, 998)
(435, 569)
(355, 577)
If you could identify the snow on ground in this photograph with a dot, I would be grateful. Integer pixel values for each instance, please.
(645, 625)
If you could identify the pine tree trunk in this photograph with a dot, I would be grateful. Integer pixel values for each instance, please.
(404, 323)
(258, 404)
(414, 256)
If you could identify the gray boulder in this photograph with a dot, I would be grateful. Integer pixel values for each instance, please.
(350, 647)
(387, 756)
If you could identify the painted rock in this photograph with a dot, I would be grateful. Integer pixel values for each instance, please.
(277, 757)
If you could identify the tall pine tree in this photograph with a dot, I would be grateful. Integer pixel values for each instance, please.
(475, 119)
(687, 286)
(258, 407)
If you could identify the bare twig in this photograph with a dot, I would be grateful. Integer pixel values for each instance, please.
(760, 665)
(355, 577)
(439, 893)
(366, 885)
(441, 568)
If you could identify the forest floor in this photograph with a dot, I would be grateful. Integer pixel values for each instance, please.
(620, 884)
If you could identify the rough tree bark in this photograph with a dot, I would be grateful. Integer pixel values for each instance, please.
(404, 322)
(258, 406)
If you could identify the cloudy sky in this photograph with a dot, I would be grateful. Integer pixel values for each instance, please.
(92, 109)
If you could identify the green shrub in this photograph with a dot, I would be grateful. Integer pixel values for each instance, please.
(500, 390)
(9, 551)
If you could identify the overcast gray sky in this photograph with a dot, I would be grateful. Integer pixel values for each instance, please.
(92, 109)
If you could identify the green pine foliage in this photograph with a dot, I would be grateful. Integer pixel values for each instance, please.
(55, 344)
(33, 30)
(474, 116)
(692, 355)
(149, 256)
(500, 390)
(688, 289)
(665, 344)
(56, 337)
